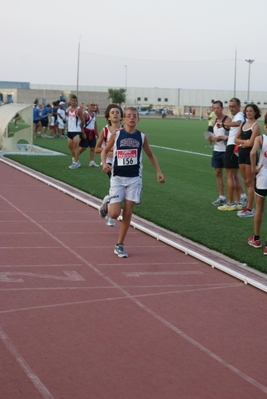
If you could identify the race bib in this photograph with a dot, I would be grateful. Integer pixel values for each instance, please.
(127, 157)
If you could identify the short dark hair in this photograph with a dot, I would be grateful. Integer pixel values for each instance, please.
(218, 102)
(235, 100)
(265, 119)
(255, 108)
(73, 96)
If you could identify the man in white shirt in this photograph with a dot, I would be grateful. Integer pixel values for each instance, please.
(234, 184)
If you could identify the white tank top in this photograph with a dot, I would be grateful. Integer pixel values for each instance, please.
(219, 146)
(74, 122)
(261, 178)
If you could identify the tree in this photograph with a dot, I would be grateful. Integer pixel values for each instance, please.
(117, 96)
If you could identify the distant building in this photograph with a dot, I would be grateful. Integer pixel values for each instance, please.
(177, 100)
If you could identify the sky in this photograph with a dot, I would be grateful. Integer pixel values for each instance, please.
(197, 44)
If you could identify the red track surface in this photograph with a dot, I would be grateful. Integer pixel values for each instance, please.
(77, 322)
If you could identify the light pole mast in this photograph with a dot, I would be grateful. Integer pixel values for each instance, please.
(78, 68)
(126, 70)
(249, 64)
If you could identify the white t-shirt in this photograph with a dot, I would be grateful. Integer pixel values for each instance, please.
(232, 133)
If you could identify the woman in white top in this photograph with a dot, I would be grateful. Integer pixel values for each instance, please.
(245, 138)
(261, 185)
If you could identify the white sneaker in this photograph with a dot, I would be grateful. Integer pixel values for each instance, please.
(246, 213)
(92, 164)
(103, 210)
(109, 221)
(75, 165)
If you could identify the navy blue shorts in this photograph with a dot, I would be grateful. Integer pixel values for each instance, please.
(44, 122)
(85, 143)
(217, 160)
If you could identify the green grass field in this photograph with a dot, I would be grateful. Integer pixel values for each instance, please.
(183, 203)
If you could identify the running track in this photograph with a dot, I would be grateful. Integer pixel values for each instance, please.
(77, 322)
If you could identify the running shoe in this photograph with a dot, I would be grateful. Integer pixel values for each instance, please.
(244, 201)
(255, 243)
(109, 221)
(75, 165)
(227, 207)
(103, 210)
(219, 201)
(119, 250)
(240, 205)
(265, 250)
(92, 164)
(246, 213)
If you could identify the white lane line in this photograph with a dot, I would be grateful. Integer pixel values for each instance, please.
(108, 287)
(129, 296)
(24, 365)
(10, 277)
(184, 151)
(139, 274)
(152, 263)
(43, 265)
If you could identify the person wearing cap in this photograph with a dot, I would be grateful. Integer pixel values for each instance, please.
(61, 119)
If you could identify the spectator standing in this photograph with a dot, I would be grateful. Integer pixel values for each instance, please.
(211, 120)
(46, 112)
(261, 185)
(218, 156)
(36, 120)
(75, 129)
(61, 119)
(245, 138)
(234, 183)
(90, 129)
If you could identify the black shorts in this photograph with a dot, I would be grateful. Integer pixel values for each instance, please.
(260, 193)
(231, 159)
(218, 159)
(244, 156)
(71, 135)
(44, 122)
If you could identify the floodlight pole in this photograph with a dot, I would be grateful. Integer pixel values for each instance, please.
(235, 73)
(249, 64)
(126, 70)
(78, 67)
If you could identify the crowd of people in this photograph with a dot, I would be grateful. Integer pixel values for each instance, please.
(74, 122)
(236, 142)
